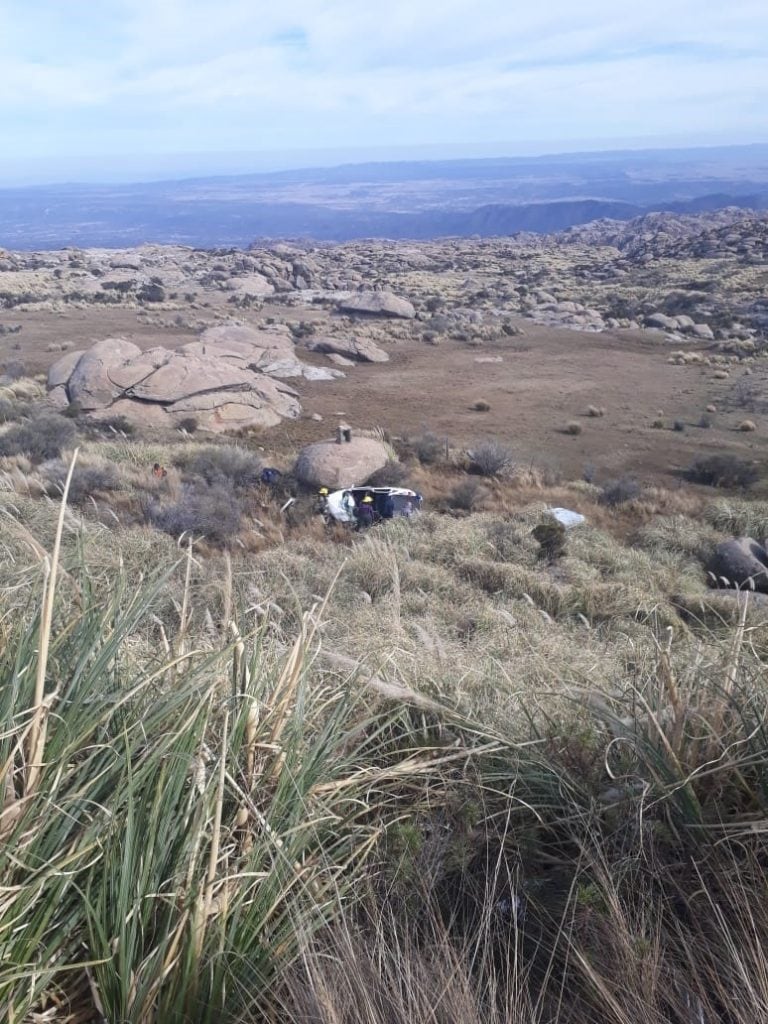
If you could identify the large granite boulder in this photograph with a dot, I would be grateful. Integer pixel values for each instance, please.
(741, 563)
(60, 372)
(160, 375)
(370, 303)
(362, 350)
(91, 384)
(252, 285)
(328, 464)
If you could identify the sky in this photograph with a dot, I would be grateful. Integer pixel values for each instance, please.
(104, 89)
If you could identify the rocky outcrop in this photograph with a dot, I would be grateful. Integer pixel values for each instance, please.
(741, 563)
(370, 303)
(362, 350)
(230, 379)
(90, 383)
(328, 464)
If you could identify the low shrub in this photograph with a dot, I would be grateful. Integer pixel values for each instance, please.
(467, 496)
(14, 370)
(747, 426)
(619, 492)
(41, 437)
(678, 426)
(481, 406)
(573, 428)
(109, 425)
(189, 424)
(428, 448)
(393, 474)
(491, 458)
(722, 470)
(595, 411)
(226, 463)
(208, 510)
(9, 410)
(86, 480)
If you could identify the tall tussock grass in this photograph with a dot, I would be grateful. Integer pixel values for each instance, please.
(236, 810)
(175, 819)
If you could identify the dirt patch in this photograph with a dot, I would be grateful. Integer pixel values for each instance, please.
(544, 380)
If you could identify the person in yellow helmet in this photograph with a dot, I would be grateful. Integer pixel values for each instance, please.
(364, 514)
(321, 502)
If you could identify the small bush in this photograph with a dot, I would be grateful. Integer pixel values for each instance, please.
(41, 437)
(467, 496)
(712, 408)
(393, 474)
(678, 426)
(618, 492)
(151, 293)
(14, 370)
(189, 424)
(657, 424)
(9, 410)
(573, 428)
(208, 510)
(109, 425)
(72, 411)
(225, 464)
(747, 426)
(429, 449)
(491, 458)
(722, 470)
(706, 421)
(86, 480)
(595, 411)
(481, 406)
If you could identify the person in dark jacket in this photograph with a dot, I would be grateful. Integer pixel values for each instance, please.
(364, 513)
(388, 511)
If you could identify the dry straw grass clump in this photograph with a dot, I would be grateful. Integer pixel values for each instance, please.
(573, 427)
(596, 411)
(747, 426)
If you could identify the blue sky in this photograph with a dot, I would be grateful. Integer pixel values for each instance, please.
(96, 88)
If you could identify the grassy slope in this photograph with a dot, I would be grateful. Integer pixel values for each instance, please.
(582, 786)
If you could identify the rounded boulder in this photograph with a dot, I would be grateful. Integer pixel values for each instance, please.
(328, 464)
(741, 562)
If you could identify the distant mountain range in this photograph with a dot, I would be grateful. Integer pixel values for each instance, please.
(418, 200)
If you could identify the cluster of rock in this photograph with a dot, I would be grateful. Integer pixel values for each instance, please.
(680, 325)
(230, 379)
(544, 308)
(600, 276)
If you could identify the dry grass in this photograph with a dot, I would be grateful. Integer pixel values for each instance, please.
(465, 787)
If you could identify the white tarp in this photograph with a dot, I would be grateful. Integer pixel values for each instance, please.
(566, 517)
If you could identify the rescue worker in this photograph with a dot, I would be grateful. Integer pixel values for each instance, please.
(364, 513)
(321, 502)
(388, 511)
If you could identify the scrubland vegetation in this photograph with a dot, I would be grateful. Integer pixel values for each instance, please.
(259, 770)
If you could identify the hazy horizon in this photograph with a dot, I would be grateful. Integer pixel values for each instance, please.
(145, 167)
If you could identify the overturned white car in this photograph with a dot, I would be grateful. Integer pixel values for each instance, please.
(388, 503)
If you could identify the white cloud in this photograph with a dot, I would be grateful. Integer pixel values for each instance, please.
(491, 67)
